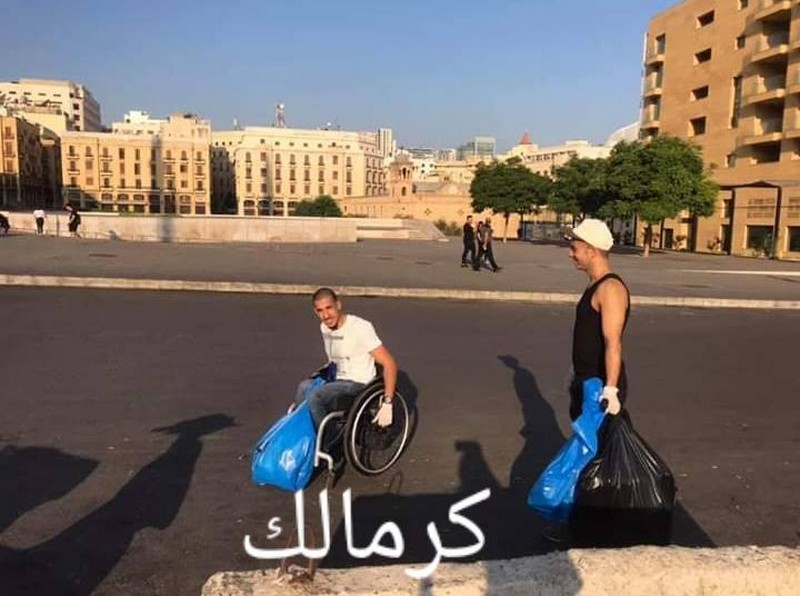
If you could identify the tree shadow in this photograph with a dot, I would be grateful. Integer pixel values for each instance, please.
(78, 559)
(31, 476)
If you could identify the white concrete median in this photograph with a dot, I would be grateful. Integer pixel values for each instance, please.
(646, 571)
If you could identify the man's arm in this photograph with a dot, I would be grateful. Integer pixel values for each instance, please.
(612, 302)
(384, 357)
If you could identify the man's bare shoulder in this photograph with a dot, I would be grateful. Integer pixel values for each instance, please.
(612, 291)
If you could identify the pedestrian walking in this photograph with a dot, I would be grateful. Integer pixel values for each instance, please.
(74, 221)
(488, 243)
(468, 237)
(4, 225)
(600, 319)
(39, 216)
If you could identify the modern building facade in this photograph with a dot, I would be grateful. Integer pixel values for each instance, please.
(72, 99)
(140, 171)
(268, 170)
(484, 147)
(29, 165)
(725, 75)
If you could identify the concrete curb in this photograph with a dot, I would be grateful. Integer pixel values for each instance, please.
(54, 281)
(646, 570)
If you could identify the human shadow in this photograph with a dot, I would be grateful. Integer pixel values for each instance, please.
(78, 559)
(31, 476)
(510, 528)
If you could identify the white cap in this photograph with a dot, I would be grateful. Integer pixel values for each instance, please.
(594, 233)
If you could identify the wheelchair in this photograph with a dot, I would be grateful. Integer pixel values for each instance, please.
(369, 448)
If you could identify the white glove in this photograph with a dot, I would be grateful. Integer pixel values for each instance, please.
(610, 394)
(384, 415)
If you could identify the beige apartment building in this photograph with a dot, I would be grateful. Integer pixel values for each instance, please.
(29, 165)
(268, 170)
(161, 167)
(75, 101)
(544, 160)
(725, 74)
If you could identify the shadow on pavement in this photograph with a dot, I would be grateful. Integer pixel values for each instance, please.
(32, 476)
(78, 559)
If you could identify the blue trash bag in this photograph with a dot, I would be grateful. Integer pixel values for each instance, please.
(553, 494)
(284, 456)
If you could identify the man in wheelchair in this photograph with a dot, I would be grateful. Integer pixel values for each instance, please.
(353, 349)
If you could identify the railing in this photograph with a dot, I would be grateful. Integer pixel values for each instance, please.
(772, 40)
(769, 125)
(767, 84)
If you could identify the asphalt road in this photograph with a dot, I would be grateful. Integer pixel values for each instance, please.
(128, 417)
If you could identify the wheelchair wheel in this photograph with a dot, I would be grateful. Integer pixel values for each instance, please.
(369, 448)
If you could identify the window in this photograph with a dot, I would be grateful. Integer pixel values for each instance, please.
(291, 174)
(73, 181)
(321, 189)
(184, 184)
(306, 189)
(321, 160)
(183, 155)
(248, 173)
(278, 159)
(700, 93)
(705, 19)
(336, 160)
(702, 56)
(759, 237)
(336, 190)
(138, 183)
(794, 239)
(89, 181)
(122, 182)
(335, 175)
(106, 183)
(88, 152)
(136, 154)
(661, 44)
(291, 159)
(199, 185)
(736, 104)
(137, 169)
(730, 160)
(277, 189)
(263, 156)
(73, 167)
(306, 161)
(122, 168)
(121, 153)
(248, 187)
(292, 189)
(697, 126)
(726, 208)
(740, 42)
(743, 4)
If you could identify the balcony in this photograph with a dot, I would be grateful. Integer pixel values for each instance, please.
(765, 130)
(654, 56)
(770, 89)
(793, 83)
(651, 117)
(652, 87)
(772, 47)
(792, 128)
(773, 11)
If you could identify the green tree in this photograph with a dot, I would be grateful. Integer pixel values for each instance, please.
(580, 187)
(656, 181)
(323, 206)
(508, 187)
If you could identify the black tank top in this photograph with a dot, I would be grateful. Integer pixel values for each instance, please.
(588, 345)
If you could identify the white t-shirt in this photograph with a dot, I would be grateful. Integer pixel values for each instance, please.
(38, 213)
(349, 347)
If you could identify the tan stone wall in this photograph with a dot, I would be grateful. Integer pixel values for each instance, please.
(427, 207)
(694, 99)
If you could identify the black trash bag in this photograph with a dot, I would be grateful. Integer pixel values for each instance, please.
(626, 494)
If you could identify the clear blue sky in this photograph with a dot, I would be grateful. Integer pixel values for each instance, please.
(437, 72)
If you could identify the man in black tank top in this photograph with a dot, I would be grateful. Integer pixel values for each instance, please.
(600, 318)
